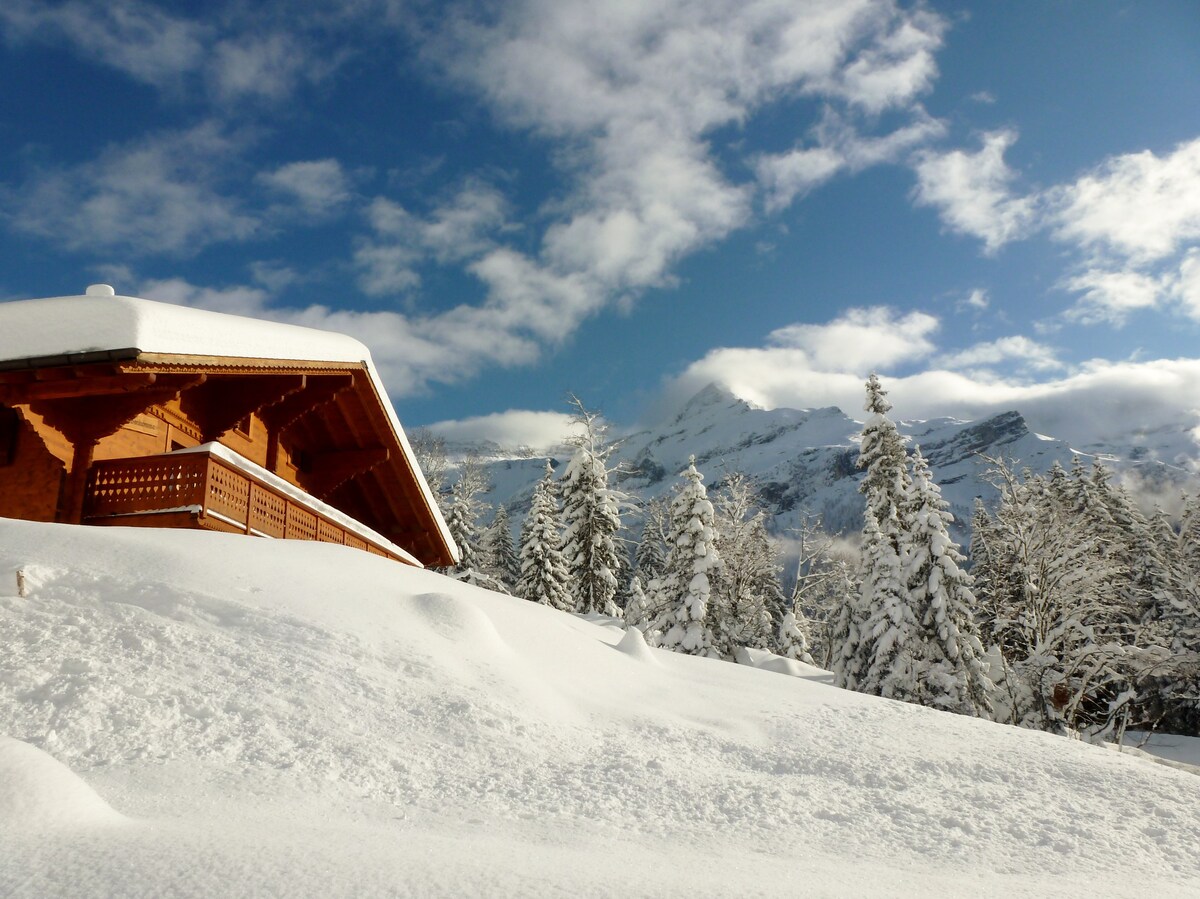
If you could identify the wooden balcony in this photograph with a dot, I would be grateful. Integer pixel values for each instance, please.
(200, 490)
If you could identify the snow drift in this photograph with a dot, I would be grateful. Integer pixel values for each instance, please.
(287, 718)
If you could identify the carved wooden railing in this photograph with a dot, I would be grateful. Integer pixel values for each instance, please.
(214, 491)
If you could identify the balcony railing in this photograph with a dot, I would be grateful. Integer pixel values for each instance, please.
(215, 495)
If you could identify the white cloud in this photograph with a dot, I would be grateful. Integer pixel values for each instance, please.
(159, 194)
(630, 95)
(972, 192)
(1029, 353)
(1097, 401)
(237, 300)
(136, 38)
(860, 340)
(838, 147)
(460, 229)
(236, 55)
(1110, 296)
(264, 66)
(540, 431)
(319, 186)
(976, 299)
(1140, 206)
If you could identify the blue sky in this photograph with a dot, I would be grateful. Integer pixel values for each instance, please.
(993, 205)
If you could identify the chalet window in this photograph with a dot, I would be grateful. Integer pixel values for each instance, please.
(243, 427)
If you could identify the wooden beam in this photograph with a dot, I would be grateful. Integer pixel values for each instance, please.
(66, 388)
(221, 402)
(332, 468)
(318, 390)
(86, 420)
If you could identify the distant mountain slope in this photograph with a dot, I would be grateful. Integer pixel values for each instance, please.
(805, 461)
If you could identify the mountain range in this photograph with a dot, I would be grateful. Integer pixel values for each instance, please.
(804, 462)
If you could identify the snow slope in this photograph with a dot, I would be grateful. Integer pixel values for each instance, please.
(270, 718)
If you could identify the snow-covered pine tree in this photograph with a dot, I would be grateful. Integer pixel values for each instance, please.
(638, 611)
(952, 674)
(544, 575)
(885, 642)
(498, 552)
(463, 523)
(747, 604)
(650, 556)
(592, 518)
(692, 561)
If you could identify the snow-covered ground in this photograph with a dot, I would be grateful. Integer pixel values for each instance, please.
(194, 714)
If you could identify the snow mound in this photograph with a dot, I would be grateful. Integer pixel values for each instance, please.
(633, 644)
(289, 718)
(768, 661)
(37, 791)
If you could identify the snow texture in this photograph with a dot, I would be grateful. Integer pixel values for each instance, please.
(280, 718)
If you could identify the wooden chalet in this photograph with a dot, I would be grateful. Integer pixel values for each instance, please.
(122, 411)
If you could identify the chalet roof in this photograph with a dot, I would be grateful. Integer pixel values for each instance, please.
(100, 323)
(101, 326)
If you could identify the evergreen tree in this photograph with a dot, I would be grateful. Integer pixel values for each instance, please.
(592, 515)
(499, 555)
(952, 674)
(747, 605)
(463, 524)
(884, 664)
(685, 589)
(639, 612)
(649, 558)
(544, 575)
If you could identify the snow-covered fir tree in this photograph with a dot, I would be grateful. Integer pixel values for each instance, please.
(684, 590)
(639, 612)
(747, 603)
(544, 576)
(951, 672)
(499, 555)
(881, 660)
(650, 556)
(592, 518)
(465, 508)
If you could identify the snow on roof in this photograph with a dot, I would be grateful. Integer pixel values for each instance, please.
(100, 321)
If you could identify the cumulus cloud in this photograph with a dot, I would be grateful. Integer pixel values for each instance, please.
(1140, 206)
(174, 53)
(461, 228)
(837, 147)
(1091, 403)
(860, 339)
(630, 95)
(136, 38)
(318, 186)
(1110, 296)
(1028, 353)
(163, 193)
(539, 431)
(973, 192)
